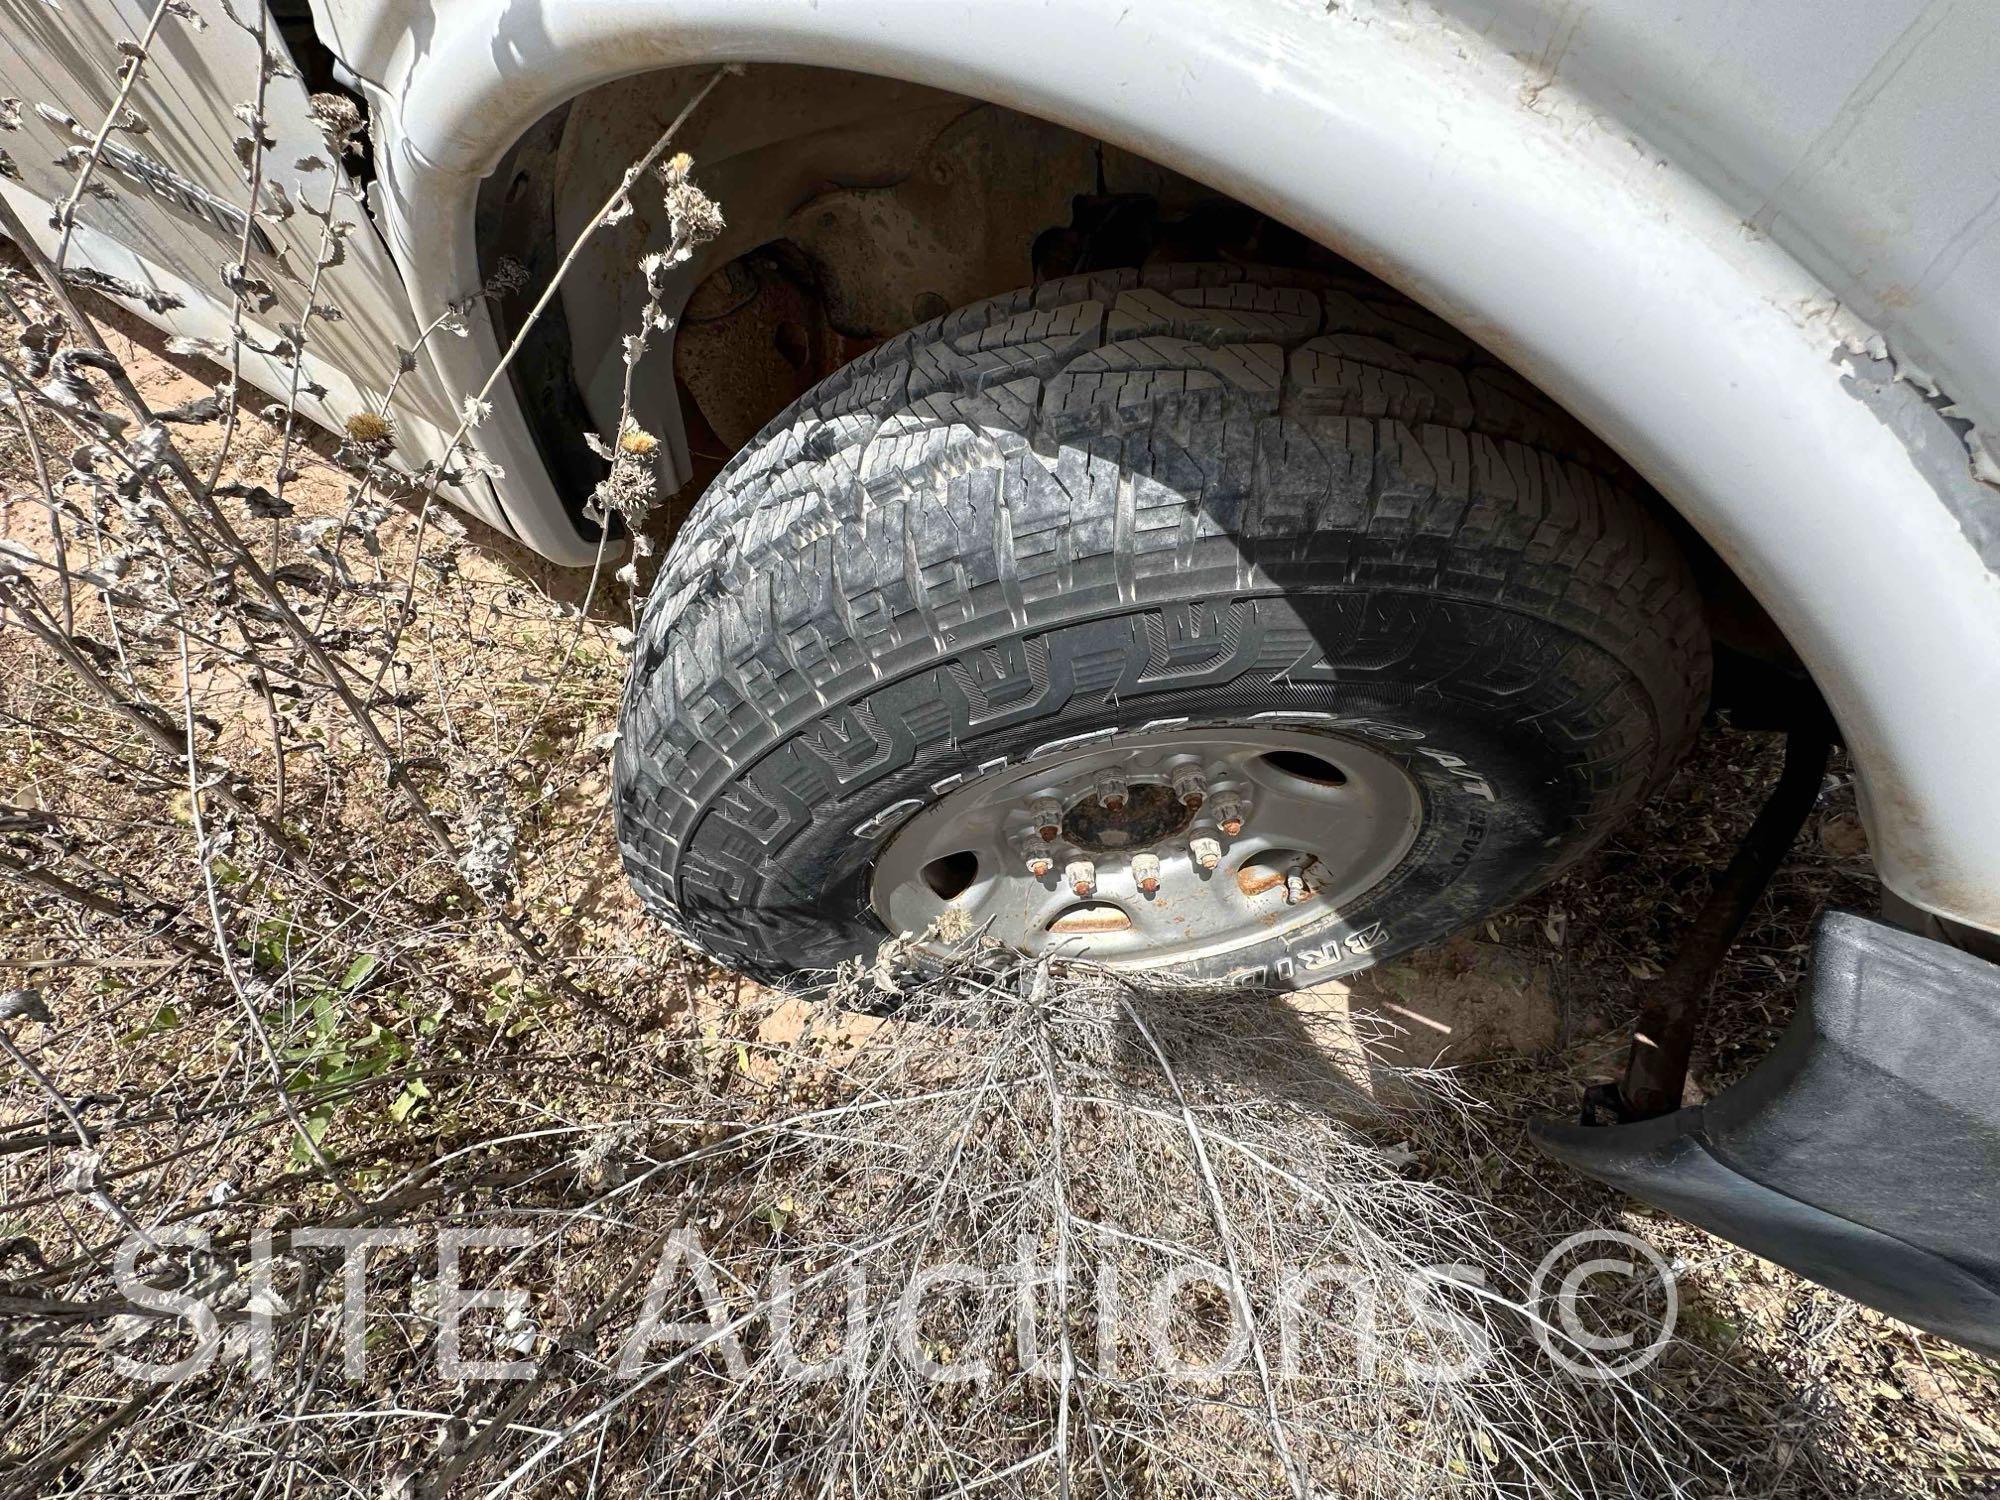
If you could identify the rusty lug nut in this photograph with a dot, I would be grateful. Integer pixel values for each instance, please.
(1295, 887)
(1190, 786)
(1229, 813)
(1207, 852)
(1081, 875)
(1039, 862)
(1047, 813)
(1111, 791)
(1146, 872)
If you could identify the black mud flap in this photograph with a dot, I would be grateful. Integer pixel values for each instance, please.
(1864, 1152)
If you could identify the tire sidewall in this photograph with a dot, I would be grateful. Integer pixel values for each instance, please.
(1507, 797)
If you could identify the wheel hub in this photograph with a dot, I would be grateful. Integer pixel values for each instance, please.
(1145, 850)
(1150, 813)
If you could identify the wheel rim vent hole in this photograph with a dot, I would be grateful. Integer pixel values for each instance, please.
(1303, 765)
(951, 876)
(1087, 917)
(1266, 872)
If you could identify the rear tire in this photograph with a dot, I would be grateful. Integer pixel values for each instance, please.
(1112, 504)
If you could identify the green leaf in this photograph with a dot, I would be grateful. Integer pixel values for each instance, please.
(316, 1123)
(166, 1018)
(358, 972)
(414, 1093)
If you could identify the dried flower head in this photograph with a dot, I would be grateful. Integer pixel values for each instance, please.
(693, 218)
(371, 429)
(339, 120)
(489, 835)
(628, 490)
(508, 276)
(636, 441)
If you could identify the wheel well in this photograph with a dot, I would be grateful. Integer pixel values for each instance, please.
(858, 206)
(855, 207)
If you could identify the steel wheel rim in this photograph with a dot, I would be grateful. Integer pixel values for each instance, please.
(1307, 849)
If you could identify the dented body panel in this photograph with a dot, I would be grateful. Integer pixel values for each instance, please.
(173, 215)
(1753, 245)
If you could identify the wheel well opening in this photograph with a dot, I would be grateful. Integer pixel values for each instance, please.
(860, 206)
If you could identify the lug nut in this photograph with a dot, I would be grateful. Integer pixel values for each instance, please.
(1111, 790)
(1047, 813)
(1039, 862)
(1082, 876)
(1295, 885)
(1230, 812)
(1190, 786)
(1207, 852)
(1146, 872)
